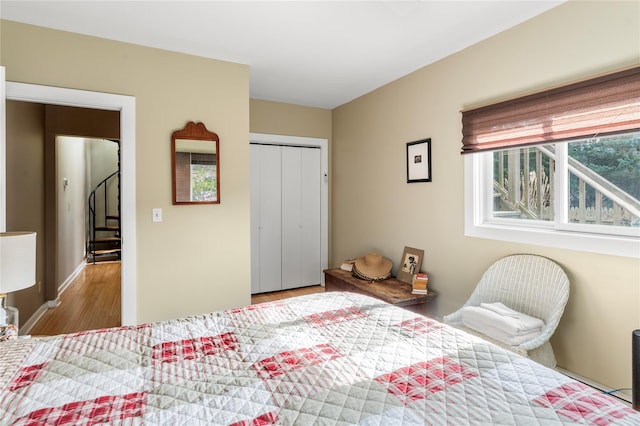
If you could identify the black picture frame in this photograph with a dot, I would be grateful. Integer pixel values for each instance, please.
(419, 161)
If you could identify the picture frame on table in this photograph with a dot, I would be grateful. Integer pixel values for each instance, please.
(419, 161)
(410, 264)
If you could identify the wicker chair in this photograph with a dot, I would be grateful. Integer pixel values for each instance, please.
(531, 284)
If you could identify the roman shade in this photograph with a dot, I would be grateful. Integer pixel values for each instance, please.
(601, 106)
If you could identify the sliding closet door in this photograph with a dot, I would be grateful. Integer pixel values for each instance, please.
(300, 217)
(266, 212)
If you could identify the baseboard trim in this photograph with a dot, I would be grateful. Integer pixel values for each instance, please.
(26, 328)
(50, 304)
(53, 303)
(621, 395)
(71, 277)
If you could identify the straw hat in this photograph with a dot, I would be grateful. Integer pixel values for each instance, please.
(372, 267)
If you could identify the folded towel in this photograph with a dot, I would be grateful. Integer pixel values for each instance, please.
(524, 324)
(500, 335)
(501, 309)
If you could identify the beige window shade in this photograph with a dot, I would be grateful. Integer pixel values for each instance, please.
(600, 106)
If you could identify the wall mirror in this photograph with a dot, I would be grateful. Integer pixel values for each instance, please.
(195, 160)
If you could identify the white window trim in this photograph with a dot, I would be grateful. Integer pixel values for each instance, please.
(476, 225)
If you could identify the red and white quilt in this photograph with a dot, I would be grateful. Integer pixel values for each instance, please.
(332, 358)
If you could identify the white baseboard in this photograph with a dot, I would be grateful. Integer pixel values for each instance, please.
(71, 277)
(623, 395)
(53, 303)
(27, 326)
(49, 304)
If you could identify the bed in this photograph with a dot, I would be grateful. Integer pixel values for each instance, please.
(327, 358)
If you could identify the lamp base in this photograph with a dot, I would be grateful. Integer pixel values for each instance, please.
(8, 320)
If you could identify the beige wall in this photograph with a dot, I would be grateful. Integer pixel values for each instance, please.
(25, 175)
(194, 261)
(375, 209)
(278, 118)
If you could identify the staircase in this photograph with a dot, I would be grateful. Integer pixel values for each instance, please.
(103, 229)
(103, 242)
(531, 196)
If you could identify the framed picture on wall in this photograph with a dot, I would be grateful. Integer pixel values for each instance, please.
(419, 161)
(409, 264)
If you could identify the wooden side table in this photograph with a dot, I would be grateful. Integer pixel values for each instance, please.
(390, 290)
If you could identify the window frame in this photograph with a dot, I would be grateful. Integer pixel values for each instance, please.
(479, 223)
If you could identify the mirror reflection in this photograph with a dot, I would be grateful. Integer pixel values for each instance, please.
(196, 171)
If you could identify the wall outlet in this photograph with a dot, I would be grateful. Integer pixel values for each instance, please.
(157, 215)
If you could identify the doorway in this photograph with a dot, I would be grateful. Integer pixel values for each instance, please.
(49, 178)
(125, 105)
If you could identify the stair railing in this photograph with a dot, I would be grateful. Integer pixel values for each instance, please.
(91, 223)
(532, 196)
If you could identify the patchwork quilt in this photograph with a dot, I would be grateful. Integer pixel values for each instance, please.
(332, 358)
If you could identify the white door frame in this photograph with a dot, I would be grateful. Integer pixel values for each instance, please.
(3, 151)
(323, 144)
(95, 100)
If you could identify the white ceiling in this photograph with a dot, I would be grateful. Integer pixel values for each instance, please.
(321, 54)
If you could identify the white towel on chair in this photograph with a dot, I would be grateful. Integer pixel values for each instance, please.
(512, 326)
(501, 336)
(501, 309)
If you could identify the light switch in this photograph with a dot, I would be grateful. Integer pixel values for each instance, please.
(157, 215)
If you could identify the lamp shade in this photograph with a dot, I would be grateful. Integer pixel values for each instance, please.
(17, 260)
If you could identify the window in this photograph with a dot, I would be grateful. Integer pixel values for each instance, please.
(549, 178)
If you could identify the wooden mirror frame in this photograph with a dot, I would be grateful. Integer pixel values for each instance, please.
(196, 132)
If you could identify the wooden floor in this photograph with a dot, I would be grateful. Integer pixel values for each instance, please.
(284, 294)
(92, 301)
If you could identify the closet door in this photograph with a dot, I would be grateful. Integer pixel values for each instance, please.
(254, 210)
(311, 195)
(300, 217)
(291, 217)
(266, 212)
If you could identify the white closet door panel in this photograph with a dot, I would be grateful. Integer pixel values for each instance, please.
(291, 217)
(254, 161)
(311, 268)
(270, 214)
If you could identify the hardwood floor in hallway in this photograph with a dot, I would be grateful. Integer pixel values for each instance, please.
(92, 301)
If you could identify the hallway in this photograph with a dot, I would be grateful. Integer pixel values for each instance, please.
(91, 301)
